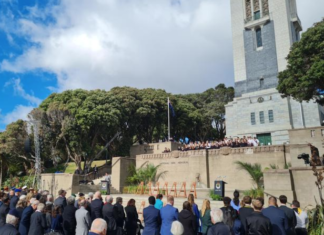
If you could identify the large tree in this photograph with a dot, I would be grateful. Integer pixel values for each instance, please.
(304, 77)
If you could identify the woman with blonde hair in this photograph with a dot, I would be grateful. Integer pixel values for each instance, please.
(191, 200)
(205, 217)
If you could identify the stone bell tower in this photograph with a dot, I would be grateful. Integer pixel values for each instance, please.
(263, 33)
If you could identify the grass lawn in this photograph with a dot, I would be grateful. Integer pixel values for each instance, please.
(71, 167)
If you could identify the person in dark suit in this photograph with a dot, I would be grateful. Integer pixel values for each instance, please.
(187, 219)
(61, 200)
(245, 211)
(290, 214)
(96, 206)
(4, 210)
(132, 217)
(11, 222)
(108, 215)
(256, 223)
(69, 221)
(168, 215)
(152, 218)
(38, 221)
(14, 200)
(219, 228)
(24, 224)
(119, 215)
(277, 217)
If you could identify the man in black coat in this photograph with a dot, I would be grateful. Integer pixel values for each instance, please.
(14, 200)
(219, 228)
(4, 210)
(61, 200)
(256, 223)
(96, 206)
(229, 213)
(108, 215)
(69, 221)
(119, 214)
(11, 222)
(38, 221)
(24, 224)
(290, 214)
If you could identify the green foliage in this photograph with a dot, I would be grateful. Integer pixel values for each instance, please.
(303, 78)
(274, 166)
(254, 192)
(316, 221)
(146, 173)
(254, 171)
(287, 165)
(215, 197)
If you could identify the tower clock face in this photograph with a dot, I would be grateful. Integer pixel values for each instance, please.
(260, 99)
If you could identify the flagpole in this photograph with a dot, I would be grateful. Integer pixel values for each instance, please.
(168, 119)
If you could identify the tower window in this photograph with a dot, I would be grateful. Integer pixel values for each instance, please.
(270, 114)
(258, 33)
(253, 118)
(261, 82)
(257, 15)
(261, 114)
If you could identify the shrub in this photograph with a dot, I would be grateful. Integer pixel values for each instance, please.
(215, 197)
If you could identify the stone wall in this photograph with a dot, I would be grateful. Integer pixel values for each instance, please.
(187, 166)
(119, 171)
(54, 182)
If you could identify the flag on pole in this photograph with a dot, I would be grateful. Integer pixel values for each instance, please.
(172, 110)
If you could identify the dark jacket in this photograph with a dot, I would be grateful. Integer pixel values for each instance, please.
(108, 216)
(258, 224)
(229, 215)
(60, 201)
(37, 224)
(119, 215)
(69, 221)
(131, 220)
(188, 220)
(219, 229)
(25, 220)
(291, 217)
(96, 209)
(20, 210)
(244, 212)
(4, 210)
(278, 220)
(8, 229)
(152, 221)
(13, 202)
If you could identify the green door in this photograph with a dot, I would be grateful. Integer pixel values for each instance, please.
(265, 139)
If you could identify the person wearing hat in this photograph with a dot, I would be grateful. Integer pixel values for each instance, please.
(14, 200)
(4, 209)
(11, 222)
(24, 190)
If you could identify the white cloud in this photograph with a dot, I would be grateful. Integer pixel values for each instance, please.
(180, 46)
(19, 112)
(19, 90)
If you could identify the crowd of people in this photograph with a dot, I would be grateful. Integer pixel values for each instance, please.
(227, 142)
(27, 212)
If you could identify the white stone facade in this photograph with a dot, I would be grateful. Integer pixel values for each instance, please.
(287, 113)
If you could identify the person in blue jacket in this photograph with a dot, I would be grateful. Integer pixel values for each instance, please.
(195, 210)
(152, 218)
(168, 215)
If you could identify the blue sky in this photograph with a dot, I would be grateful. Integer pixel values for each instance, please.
(50, 46)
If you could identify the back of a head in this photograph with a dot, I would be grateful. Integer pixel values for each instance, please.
(61, 192)
(236, 194)
(97, 195)
(283, 199)
(99, 226)
(191, 199)
(82, 202)
(119, 200)
(151, 200)
(159, 196)
(170, 199)
(177, 228)
(10, 219)
(247, 200)
(216, 215)
(109, 199)
(272, 201)
(226, 201)
(187, 206)
(70, 200)
(40, 207)
(296, 203)
(257, 204)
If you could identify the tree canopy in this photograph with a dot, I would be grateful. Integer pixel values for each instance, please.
(76, 124)
(304, 77)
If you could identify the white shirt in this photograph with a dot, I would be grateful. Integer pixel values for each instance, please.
(302, 219)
